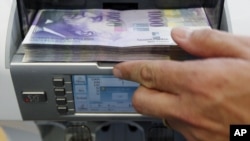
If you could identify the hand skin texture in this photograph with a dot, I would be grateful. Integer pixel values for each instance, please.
(199, 98)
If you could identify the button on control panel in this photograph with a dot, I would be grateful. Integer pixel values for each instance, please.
(62, 109)
(59, 91)
(61, 100)
(58, 82)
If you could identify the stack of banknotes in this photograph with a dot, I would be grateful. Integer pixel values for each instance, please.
(108, 35)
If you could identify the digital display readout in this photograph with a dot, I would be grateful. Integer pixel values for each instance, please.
(102, 93)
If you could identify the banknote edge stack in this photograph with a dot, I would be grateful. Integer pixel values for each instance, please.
(51, 51)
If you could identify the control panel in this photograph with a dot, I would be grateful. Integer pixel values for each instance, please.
(72, 91)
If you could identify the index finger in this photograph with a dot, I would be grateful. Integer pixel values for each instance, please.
(161, 75)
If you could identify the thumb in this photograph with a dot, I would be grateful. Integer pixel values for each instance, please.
(212, 43)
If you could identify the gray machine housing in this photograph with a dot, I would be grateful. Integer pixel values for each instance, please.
(40, 80)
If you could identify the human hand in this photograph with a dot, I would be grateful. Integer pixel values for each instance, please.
(199, 98)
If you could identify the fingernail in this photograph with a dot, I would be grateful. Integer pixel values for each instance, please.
(117, 73)
(181, 32)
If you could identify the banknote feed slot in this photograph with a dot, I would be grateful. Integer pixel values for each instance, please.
(120, 6)
(106, 64)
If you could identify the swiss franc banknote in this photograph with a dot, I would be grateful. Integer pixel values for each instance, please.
(111, 28)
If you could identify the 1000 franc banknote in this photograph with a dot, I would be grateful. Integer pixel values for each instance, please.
(104, 28)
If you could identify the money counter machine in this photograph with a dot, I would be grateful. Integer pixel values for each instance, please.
(82, 101)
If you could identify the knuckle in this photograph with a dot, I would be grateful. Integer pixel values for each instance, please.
(147, 76)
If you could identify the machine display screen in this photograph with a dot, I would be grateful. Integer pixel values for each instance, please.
(102, 93)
